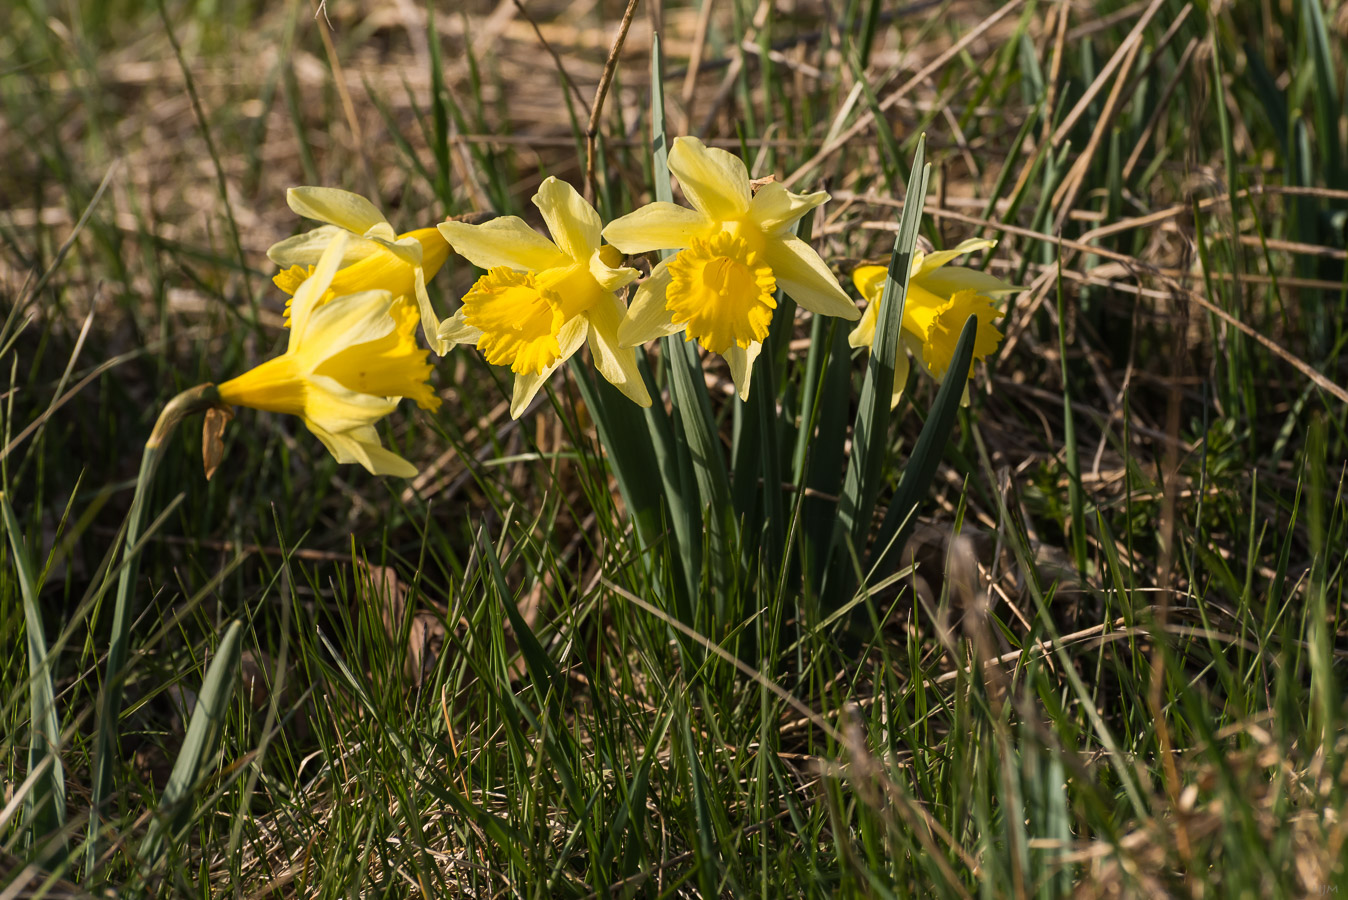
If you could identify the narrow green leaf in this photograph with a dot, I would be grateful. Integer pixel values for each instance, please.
(870, 429)
(203, 732)
(927, 452)
(1076, 502)
(45, 805)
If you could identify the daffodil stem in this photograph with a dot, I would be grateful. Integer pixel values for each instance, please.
(195, 400)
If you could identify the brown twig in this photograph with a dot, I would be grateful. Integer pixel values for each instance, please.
(592, 130)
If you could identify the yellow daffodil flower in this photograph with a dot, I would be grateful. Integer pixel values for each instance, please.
(940, 300)
(735, 249)
(348, 362)
(542, 299)
(376, 258)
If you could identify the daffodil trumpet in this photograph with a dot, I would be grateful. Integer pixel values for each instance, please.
(348, 361)
(736, 249)
(375, 257)
(939, 301)
(543, 299)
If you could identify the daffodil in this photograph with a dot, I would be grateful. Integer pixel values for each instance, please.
(542, 299)
(348, 362)
(736, 248)
(940, 300)
(376, 257)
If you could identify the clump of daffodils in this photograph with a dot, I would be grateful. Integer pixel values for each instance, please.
(349, 359)
(736, 249)
(939, 301)
(358, 292)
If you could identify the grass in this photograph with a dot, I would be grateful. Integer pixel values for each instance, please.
(1108, 662)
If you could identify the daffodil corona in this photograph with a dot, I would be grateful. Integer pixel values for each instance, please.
(376, 257)
(348, 362)
(542, 299)
(736, 248)
(940, 300)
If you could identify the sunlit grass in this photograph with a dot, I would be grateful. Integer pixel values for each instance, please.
(1123, 677)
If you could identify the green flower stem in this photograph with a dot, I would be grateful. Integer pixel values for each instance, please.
(195, 400)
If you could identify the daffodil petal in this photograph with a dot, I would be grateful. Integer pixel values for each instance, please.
(870, 281)
(616, 364)
(430, 322)
(776, 210)
(938, 258)
(803, 275)
(306, 249)
(573, 223)
(864, 334)
(504, 241)
(340, 323)
(341, 208)
(312, 290)
(714, 181)
(648, 317)
(357, 446)
(527, 384)
(950, 280)
(335, 408)
(741, 360)
(901, 369)
(608, 277)
(658, 226)
(408, 249)
(571, 337)
(455, 330)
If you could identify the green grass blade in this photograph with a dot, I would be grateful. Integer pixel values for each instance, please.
(1076, 503)
(194, 759)
(45, 805)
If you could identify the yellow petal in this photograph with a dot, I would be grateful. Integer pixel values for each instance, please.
(341, 323)
(527, 384)
(309, 294)
(935, 260)
(951, 279)
(776, 210)
(648, 318)
(333, 407)
(714, 181)
(455, 330)
(392, 365)
(305, 249)
(616, 364)
(741, 360)
(944, 325)
(870, 281)
(803, 275)
(573, 223)
(341, 208)
(504, 241)
(864, 334)
(430, 322)
(607, 271)
(363, 446)
(901, 369)
(658, 226)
